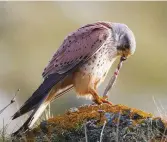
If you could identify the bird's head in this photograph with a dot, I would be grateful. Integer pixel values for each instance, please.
(124, 40)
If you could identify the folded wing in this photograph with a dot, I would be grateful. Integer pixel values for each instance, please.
(76, 49)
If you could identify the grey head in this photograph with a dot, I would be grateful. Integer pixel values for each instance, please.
(124, 39)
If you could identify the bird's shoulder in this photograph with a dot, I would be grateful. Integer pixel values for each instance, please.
(78, 46)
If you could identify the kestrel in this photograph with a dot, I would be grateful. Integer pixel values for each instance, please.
(82, 62)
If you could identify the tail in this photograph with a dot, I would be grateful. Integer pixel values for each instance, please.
(32, 119)
(36, 114)
(37, 102)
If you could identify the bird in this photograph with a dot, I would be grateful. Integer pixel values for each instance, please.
(81, 63)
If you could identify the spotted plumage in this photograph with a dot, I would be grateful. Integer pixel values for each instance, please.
(82, 62)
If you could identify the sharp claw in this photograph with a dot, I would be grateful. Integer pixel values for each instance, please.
(105, 97)
(106, 101)
(102, 100)
(99, 101)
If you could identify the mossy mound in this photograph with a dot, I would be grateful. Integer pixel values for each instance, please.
(104, 123)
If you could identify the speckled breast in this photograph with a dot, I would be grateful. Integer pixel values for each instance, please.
(99, 64)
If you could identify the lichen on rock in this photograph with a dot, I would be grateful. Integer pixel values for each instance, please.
(104, 123)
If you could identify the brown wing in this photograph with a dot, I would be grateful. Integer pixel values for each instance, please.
(78, 46)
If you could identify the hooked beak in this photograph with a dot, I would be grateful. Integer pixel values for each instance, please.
(123, 58)
(124, 54)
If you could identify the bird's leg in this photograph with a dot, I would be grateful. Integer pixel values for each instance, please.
(95, 95)
(97, 98)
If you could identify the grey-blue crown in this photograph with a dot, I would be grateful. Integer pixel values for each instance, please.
(124, 36)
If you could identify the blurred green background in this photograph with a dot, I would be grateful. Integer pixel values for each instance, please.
(30, 33)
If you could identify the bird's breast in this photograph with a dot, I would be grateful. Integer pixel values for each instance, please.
(99, 64)
(93, 72)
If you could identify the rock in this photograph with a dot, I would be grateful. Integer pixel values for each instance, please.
(101, 123)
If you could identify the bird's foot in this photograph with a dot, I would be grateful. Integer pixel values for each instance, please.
(105, 97)
(101, 100)
(106, 101)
